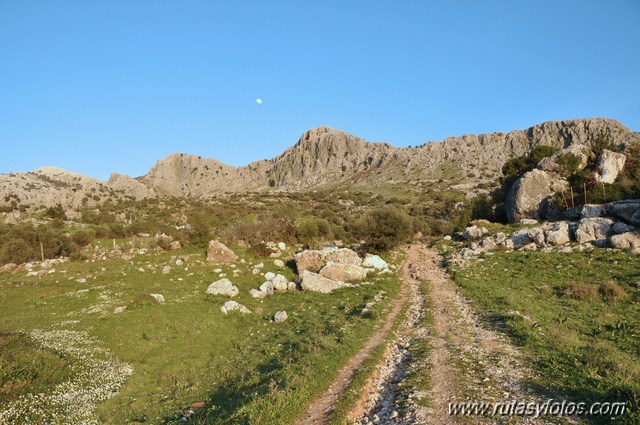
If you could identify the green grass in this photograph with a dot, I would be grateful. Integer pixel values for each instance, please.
(244, 367)
(585, 349)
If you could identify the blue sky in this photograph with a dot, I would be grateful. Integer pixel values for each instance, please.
(96, 87)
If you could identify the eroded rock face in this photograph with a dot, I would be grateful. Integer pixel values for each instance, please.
(310, 281)
(629, 240)
(343, 272)
(627, 210)
(593, 229)
(218, 253)
(531, 196)
(223, 287)
(609, 165)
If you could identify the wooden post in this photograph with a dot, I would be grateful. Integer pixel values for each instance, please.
(585, 193)
(565, 200)
(573, 204)
(604, 193)
(41, 251)
(114, 244)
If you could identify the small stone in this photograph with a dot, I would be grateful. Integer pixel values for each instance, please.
(280, 317)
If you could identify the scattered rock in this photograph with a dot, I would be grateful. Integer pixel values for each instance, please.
(280, 317)
(223, 287)
(179, 262)
(278, 263)
(258, 294)
(166, 270)
(119, 310)
(231, 305)
(282, 246)
(158, 297)
(175, 245)
(218, 253)
(280, 283)
(447, 237)
(528, 221)
(474, 232)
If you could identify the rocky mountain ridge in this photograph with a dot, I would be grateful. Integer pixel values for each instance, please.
(322, 156)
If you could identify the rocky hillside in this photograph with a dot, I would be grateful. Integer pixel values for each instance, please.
(322, 156)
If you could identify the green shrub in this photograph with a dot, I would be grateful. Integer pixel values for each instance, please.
(384, 228)
(17, 251)
(82, 237)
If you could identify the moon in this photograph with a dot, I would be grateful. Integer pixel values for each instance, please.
(259, 101)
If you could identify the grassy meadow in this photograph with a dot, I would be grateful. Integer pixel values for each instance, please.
(55, 332)
(577, 316)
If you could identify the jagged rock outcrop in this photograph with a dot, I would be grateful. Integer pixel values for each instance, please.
(321, 156)
(130, 186)
(532, 196)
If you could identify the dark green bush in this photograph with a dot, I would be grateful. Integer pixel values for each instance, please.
(384, 228)
(17, 251)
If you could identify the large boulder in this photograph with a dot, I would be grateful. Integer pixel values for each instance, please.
(313, 260)
(310, 281)
(629, 240)
(308, 259)
(593, 229)
(531, 196)
(223, 287)
(609, 165)
(627, 210)
(218, 253)
(343, 272)
(558, 234)
(554, 162)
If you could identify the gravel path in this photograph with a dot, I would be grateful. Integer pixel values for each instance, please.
(466, 361)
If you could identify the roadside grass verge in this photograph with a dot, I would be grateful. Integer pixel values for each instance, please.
(577, 315)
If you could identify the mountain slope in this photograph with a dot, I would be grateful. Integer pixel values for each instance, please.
(322, 156)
